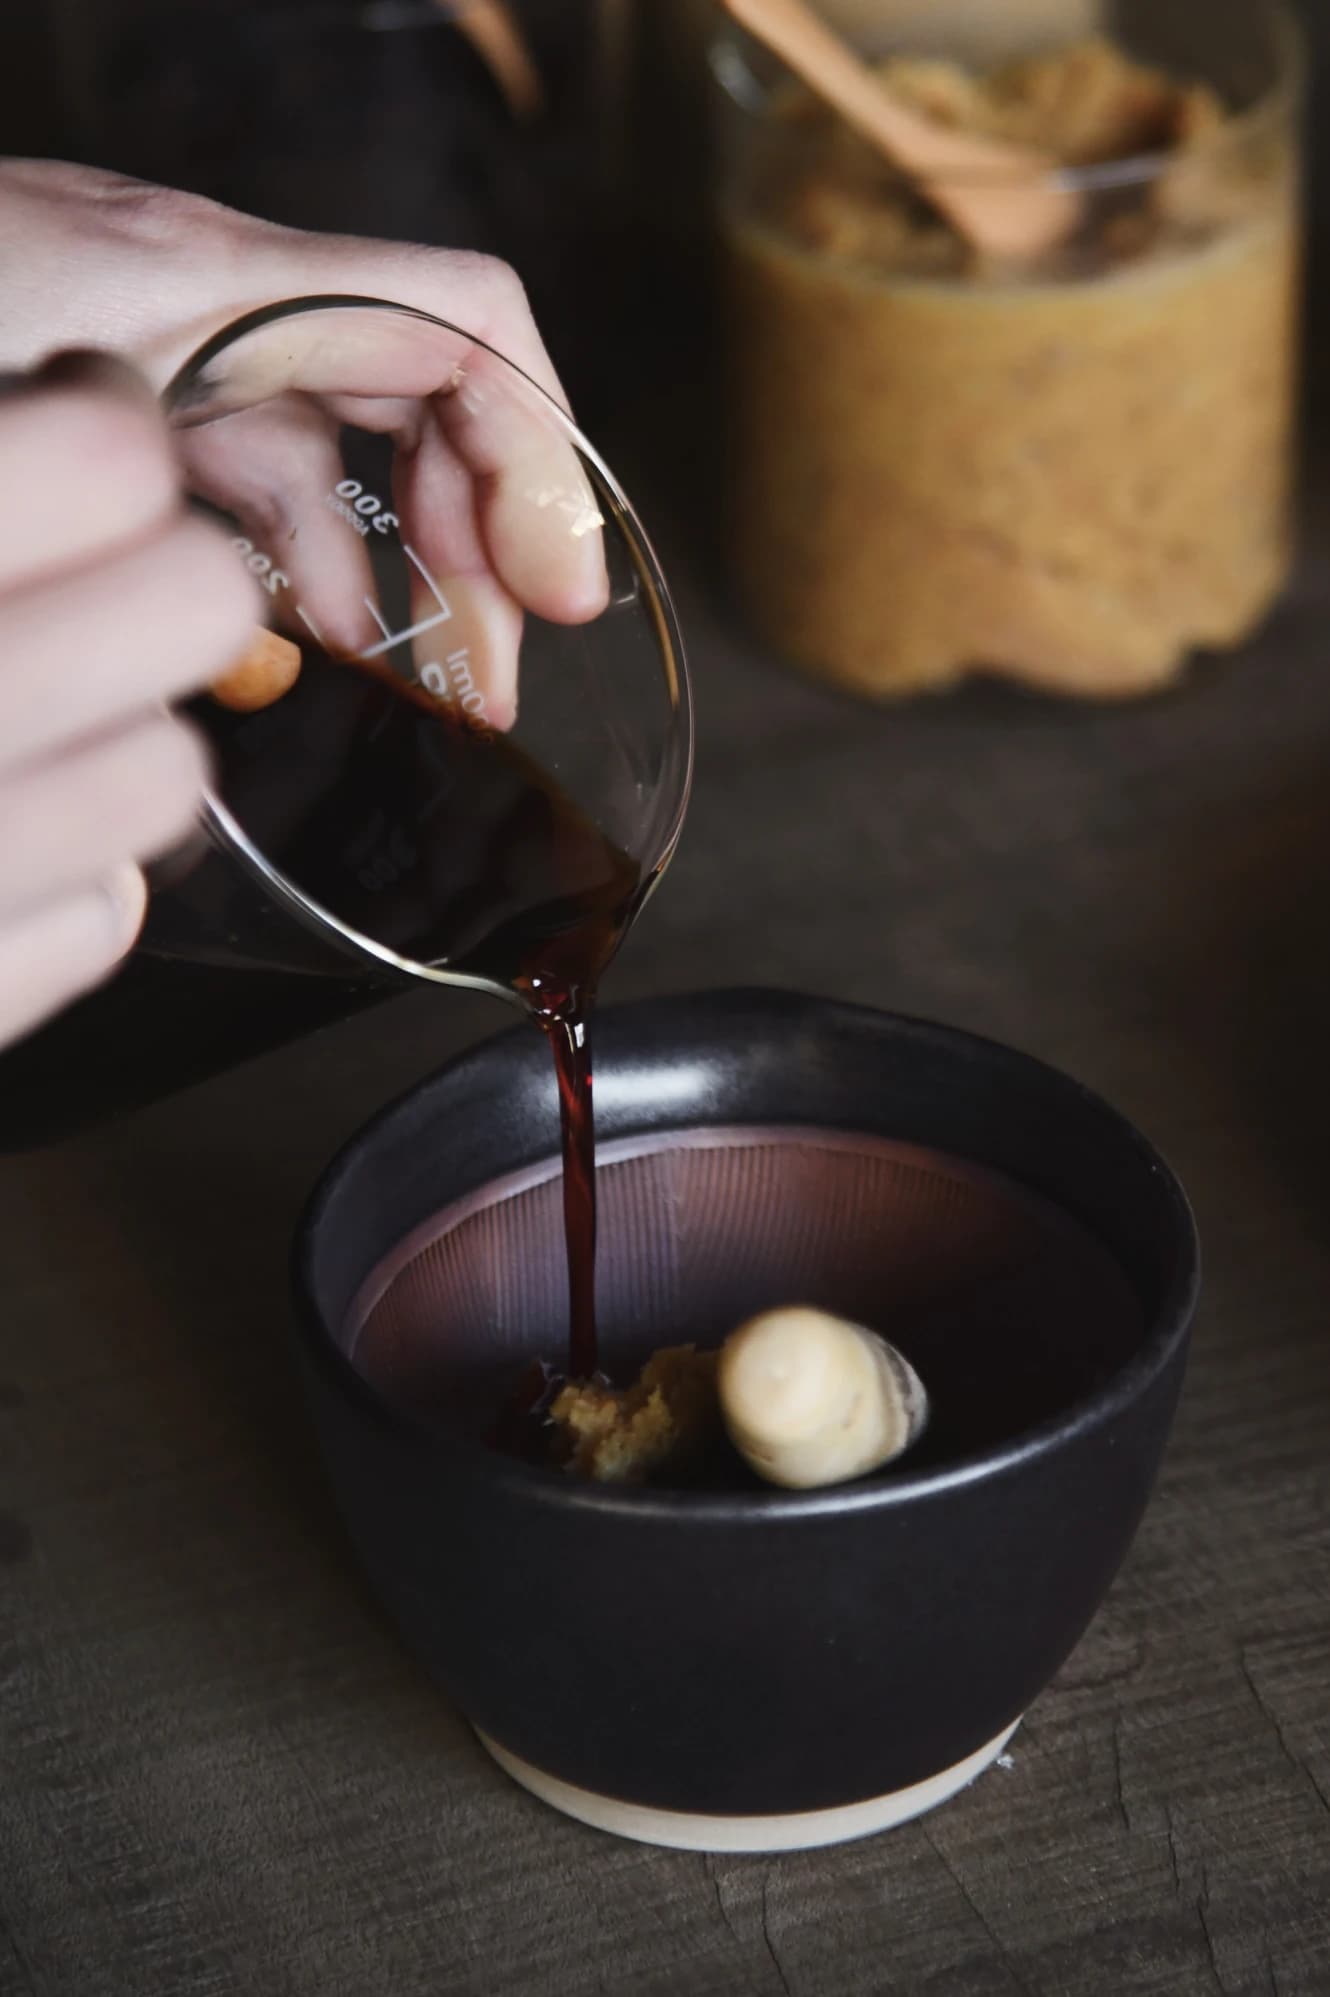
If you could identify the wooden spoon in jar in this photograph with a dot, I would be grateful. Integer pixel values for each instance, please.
(1003, 199)
(491, 29)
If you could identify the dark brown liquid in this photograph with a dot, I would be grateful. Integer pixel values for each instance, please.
(521, 1428)
(572, 1065)
(1011, 1310)
(451, 846)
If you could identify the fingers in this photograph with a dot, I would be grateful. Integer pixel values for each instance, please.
(58, 952)
(134, 794)
(276, 469)
(132, 631)
(470, 658)
(480, 294)
(85, 467)
(111, 603)
(538, 514)
(542, 525)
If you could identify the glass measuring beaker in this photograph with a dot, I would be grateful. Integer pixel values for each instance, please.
(481, 768)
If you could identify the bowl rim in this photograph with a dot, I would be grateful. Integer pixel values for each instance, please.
(1163, 1342)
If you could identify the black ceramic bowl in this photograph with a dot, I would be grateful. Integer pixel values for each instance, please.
(734, 1667)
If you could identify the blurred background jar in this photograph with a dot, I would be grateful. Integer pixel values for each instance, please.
(1077, 474)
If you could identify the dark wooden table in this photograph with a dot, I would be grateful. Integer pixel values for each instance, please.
(219, 1771)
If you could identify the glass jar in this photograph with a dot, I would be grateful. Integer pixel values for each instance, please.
(1074, 475)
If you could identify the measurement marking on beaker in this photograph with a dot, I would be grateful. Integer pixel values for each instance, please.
(400, 637)
(428, 579)
(390, 638)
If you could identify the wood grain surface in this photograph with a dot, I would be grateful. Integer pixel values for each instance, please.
(219, 1772)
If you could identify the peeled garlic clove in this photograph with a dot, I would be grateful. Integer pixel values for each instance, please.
(811, 1400)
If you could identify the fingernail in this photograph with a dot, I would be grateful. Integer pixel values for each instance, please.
(127, 892)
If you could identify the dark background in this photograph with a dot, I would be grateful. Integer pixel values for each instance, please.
(375, 119)
(373, 116)
(218, 1769)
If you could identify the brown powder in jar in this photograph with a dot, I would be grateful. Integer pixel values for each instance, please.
(1072, 476)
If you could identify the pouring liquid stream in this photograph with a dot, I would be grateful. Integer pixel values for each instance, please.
(451, 846)
(569, 1035)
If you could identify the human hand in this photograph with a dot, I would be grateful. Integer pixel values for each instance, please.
(112, 603)
(488, 490)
